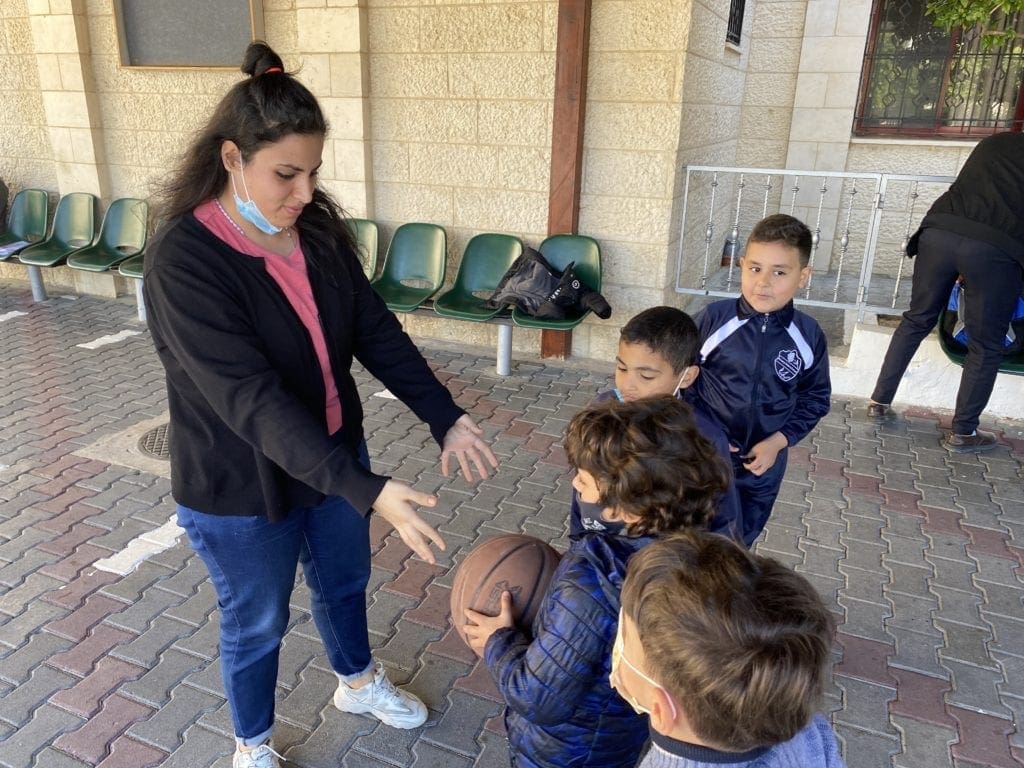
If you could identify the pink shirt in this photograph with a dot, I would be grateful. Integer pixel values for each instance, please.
(289, 272)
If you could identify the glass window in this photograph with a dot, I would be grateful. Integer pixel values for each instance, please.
(918, 80)
(732, 32)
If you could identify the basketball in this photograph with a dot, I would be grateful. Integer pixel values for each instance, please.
(519, 564)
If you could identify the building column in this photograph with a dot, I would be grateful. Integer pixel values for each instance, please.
(60, 34)
(334, 51)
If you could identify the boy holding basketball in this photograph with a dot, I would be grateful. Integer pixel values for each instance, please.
(649, 467)
(702, 619)
(657, 356)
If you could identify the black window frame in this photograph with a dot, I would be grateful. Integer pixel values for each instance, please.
(734, 29)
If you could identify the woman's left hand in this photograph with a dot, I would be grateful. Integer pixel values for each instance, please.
(481, 626)
(464, 440)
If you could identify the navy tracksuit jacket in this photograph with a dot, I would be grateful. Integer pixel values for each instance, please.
(760, 374)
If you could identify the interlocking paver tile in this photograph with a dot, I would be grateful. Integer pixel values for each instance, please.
(304, 703)
(91, 742)
(866, 704)
(864, 619)
(18, 664)
(144, 649)
(493, 751)
(431, 756)
(957, 606)
(436, 677)
(332, 739)
(195, 610)
(865, 659)
(389, 745)
(85, 696)
(966, 644)
(129, 753)
(866, 749)
(200, 749)
(14, 631)
(154, 687)
(925, 744)
(983, 739)
(18, 704)
(975, 688)
(921, 697)
(165, 727)
(32, 738)
(77, 624)
(917, 651)
(81, 658)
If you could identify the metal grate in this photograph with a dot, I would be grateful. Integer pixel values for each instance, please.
(157, 442)
(735, 28)
(918, 80)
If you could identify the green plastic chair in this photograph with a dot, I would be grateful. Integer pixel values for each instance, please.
(560, 251)
(122, 235)
(413, 267)
(957, 352)
(365, 233)
(485, 261)
(27, 222)
(74, 227)
(132, 269)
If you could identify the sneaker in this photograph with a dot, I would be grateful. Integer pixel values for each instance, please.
(263, 756)
(976, 443)
(880, 412)
(383, 700)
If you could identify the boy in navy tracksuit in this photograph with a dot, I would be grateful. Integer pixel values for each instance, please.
(764, 365)
(657, 356)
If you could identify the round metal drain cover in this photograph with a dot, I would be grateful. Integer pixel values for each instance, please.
(156, 442)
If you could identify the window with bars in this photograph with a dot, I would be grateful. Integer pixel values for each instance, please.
(735, 28)
(918, 80)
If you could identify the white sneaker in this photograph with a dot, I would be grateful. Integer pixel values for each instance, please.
(383, 700)
(262, 756)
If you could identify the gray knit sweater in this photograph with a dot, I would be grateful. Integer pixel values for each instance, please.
(813, 747)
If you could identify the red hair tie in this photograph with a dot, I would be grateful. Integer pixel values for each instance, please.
(271, 70)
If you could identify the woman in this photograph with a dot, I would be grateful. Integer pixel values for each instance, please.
(257, 306)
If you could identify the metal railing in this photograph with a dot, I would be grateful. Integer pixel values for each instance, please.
(860, 223)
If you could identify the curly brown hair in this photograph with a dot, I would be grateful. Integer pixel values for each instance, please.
(649, 460)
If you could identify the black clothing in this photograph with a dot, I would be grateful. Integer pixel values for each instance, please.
(245, 388)
(975, 229)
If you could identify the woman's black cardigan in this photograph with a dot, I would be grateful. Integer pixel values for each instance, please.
(245, 389)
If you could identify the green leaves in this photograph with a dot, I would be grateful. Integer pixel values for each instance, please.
(991, 16)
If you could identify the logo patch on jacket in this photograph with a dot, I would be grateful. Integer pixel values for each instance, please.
(788, 364)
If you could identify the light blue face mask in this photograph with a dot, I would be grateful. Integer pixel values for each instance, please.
(248, 209)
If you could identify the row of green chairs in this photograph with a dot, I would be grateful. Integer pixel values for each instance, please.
(414, 270)
(73, 238)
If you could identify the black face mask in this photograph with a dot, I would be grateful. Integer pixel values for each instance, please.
(597, 524)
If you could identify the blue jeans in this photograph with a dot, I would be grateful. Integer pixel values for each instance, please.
(252, 566)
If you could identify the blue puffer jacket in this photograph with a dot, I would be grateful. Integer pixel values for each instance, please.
(561, 710)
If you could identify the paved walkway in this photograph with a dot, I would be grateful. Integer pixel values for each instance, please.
(918, 552)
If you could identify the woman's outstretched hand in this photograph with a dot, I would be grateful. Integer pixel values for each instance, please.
(397, 504)
(464, 440)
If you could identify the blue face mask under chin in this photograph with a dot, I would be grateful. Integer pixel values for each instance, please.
(248, 209)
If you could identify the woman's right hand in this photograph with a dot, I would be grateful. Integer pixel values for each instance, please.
(395, 503)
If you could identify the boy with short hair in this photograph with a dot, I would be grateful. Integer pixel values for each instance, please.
(764, 365)
(728, 653)
(657, 356)
(648, 466)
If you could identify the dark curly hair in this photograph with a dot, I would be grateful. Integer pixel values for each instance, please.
(649, 460)
(262, 109)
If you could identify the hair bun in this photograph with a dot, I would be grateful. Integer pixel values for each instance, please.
(261, 58)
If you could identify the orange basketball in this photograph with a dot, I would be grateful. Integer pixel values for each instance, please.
(519, 564)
